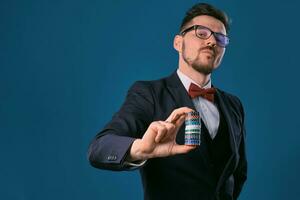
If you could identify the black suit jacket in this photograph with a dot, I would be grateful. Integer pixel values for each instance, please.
(186, 176)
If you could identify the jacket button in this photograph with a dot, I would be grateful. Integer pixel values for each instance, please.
(112, 157)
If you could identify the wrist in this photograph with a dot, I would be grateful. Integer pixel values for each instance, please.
(136, 151)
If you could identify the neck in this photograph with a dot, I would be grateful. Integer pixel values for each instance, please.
(199, 78)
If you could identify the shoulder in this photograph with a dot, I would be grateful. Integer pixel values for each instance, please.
(150, 85)
(233, 101)
(146, 90)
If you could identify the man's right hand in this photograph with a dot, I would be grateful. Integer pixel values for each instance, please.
(160, 138)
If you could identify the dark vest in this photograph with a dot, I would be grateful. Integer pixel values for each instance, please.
(218, 148)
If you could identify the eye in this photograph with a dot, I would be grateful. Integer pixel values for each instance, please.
(203, 33)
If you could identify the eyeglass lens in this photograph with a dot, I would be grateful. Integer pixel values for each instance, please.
(205, 33)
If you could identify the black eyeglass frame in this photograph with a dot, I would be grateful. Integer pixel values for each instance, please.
(195, 27)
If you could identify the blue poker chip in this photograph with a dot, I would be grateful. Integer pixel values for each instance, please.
(192, 129)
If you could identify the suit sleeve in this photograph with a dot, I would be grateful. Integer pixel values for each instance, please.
(240, 174)
(110, 147)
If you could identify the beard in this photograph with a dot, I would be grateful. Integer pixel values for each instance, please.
(203, 69)
(197, 64)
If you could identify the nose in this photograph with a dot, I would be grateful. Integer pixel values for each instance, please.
(211, 41)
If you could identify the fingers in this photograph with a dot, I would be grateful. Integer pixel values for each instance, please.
(179, 121)
(164, 130)
(180, 149)
(177, 113)
(161, 131)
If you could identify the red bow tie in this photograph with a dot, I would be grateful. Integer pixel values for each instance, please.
(195, 91)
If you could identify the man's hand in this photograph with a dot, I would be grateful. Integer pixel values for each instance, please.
(160, 138)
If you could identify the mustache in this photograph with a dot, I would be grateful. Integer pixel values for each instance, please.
(210, 48)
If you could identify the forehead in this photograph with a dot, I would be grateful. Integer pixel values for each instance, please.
(209, 22)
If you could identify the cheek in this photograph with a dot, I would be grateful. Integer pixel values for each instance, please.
(194, 50)
(220, 55)
(192, 46)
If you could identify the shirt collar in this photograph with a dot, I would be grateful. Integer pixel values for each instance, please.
(186, 81)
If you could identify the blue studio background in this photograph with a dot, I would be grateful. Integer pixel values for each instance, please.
(65, 68)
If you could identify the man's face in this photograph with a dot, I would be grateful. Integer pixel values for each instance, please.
(204, 55)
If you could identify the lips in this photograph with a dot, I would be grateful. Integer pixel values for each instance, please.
(209, 52)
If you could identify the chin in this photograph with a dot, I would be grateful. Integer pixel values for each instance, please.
(203, 69)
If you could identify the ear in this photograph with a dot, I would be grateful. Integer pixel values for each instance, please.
(177, 43)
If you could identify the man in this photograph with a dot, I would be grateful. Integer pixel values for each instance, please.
(147, 132)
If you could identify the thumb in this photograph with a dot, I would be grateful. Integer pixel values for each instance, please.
(180, 149)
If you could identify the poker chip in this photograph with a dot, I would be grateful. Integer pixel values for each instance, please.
(192, 129)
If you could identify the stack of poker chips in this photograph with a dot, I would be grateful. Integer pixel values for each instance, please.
(192, 128)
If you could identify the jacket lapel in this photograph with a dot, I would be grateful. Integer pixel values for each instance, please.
(232, 129)
(178, 92)
(224, 106)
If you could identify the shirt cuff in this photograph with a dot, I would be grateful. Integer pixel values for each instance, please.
(136, 164)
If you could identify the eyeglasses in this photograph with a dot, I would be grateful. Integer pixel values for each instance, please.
(203, 32)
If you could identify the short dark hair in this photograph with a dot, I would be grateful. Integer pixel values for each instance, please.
(205, 9)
